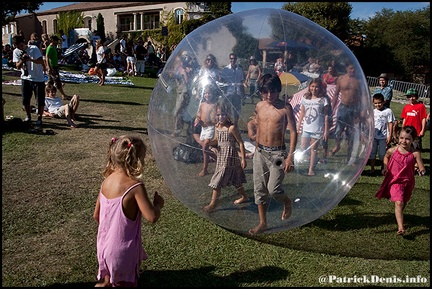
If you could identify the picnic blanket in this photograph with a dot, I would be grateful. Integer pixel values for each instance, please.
(71, 77)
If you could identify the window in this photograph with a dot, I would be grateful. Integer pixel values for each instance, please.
(179, 15)
(138, 20)
(88, 23)
(44, 27)
(125, 22)
(55, 26)
(151, 21)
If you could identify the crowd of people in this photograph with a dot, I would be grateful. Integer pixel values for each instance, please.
(123, 199)
(220, 91)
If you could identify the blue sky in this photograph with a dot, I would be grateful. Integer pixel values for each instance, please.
(362, 10)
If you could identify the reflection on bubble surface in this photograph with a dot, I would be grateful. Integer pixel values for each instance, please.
(263, 34)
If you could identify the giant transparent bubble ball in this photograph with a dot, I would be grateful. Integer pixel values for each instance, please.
(263, 34)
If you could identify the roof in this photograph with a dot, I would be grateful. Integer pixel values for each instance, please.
(88, 6)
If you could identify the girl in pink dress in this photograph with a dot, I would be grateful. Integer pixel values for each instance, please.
(398, 168)
(121, 202)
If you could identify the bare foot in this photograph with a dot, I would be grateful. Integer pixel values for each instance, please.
(287, 209)
(311, 173)
(104, 282)
(203, 173)
(209, 208)
(243, 199)
(101, 84)
(258, 229)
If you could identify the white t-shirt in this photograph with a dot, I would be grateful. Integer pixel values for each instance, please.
(314, 117)
(35, 71)
(99, 54)
(381, 120)
(53, 104)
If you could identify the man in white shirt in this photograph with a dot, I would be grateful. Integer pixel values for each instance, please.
(29, 59)
(233, 76)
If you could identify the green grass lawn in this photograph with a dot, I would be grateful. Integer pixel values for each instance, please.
(50, 184)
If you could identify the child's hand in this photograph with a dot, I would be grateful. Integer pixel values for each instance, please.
(158, 200)
(421, 173)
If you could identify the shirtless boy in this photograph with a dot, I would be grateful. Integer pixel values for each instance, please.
(273, 116)
(348, 87)
(206, 117)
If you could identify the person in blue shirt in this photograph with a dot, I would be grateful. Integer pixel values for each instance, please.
(385, 89)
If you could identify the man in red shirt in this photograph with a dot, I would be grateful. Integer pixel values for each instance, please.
(414, 114)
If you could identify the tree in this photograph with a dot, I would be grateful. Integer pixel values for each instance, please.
(70, 20)
(11, 9)
(100, 25)
(333, 16)
(400, 42)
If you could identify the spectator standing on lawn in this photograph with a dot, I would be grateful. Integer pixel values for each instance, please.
(385, 89)
(101, 62)
(141, 54)
(29, 59)
(330, 77)
(383, 120)
(233, 76)
(414, 113)
(121, 202)
(252, 76)
(64, 44)
(51, 64)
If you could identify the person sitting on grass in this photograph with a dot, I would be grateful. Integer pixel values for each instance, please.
(55, 108)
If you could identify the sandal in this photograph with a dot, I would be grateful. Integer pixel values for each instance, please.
(401, 232)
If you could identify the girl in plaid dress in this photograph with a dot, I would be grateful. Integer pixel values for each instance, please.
(229, 169)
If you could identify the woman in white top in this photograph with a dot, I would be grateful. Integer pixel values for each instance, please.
(101, 66)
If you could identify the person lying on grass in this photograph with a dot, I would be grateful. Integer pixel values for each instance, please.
(55, 108)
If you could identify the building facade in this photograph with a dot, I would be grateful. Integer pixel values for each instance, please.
(119, 17)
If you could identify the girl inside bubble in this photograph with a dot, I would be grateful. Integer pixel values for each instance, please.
(230, 166)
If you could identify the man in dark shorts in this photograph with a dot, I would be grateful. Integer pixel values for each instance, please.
(51, 64)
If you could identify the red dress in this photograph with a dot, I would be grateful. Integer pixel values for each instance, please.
(399, 180)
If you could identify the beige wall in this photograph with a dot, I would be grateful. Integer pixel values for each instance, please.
(30, 24)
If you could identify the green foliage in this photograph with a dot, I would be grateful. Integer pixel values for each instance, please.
(402, 40)
(333, 16)
(100, 26)
(189, 25)
(11, 8)
(175, 33)
(69, 20)
(219, 9)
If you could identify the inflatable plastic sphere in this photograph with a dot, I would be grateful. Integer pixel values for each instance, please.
(262, 35)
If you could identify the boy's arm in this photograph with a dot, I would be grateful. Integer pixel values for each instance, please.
(389, 132)
(237, 136)
(289, 162)
(420, 164)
